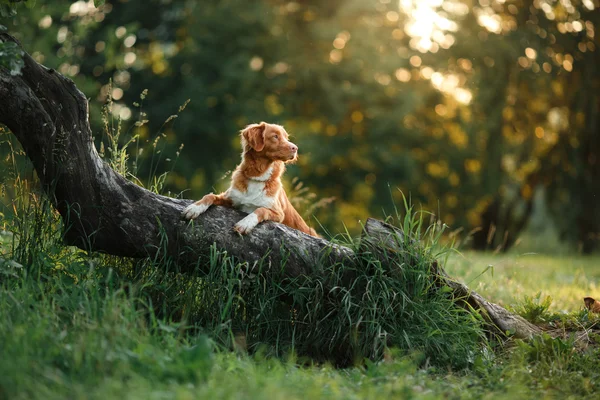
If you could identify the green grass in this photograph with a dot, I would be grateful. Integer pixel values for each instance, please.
(78, 325)
(508, 278)
(64, 339)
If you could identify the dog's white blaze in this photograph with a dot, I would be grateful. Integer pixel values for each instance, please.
(264, 177)
(254, 197)
(248, 223)
(192, 211)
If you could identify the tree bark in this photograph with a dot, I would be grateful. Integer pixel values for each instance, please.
(103, 211)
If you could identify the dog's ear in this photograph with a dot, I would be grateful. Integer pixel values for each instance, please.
(254, 136)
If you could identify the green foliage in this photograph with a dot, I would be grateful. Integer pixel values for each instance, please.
(549, 349)
(567, 278)
(116, 147)
(534, 308)
(473, 128)
(68, 320)
(11, 57)
(85, 332)
(10, 54)
(8, 8)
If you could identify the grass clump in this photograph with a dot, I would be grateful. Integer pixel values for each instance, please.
(69, 322)
(340, 313)
(534, 308)
(76, 335)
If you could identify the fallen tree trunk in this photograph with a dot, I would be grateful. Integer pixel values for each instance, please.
(105, 212)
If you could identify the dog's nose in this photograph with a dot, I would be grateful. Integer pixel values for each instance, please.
(293, 147)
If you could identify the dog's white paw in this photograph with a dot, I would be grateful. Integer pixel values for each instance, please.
(192, 211)
(246, 224)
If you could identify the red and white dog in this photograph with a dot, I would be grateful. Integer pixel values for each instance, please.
(256, 183)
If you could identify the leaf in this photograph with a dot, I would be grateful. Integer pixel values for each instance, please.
(14, 264)
(11, 57)
(184, 105)
(99, 3)
(446, 289)
(7, 10)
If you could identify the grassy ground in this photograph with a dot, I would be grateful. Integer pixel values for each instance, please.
(508, 278)
(75, 336)
(78, 325)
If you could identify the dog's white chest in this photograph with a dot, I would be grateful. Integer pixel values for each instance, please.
(254, 197)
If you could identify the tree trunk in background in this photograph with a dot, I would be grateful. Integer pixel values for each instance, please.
(102, 211)
(578, 148)
(501, 220)
(588, 220)
(490, 217)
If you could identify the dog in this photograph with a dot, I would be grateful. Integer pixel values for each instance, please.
(256, 183)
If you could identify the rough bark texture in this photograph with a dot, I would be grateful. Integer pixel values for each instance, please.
(105, 212)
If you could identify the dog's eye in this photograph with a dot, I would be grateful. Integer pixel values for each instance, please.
(275, 137)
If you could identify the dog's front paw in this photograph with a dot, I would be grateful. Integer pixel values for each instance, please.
(247, 224)
(192, 211)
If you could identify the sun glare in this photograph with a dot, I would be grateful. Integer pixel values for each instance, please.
(430, 24)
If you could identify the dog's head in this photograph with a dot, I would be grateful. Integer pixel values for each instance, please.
(270, 141)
